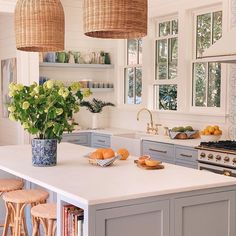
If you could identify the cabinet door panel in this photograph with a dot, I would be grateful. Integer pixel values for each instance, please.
(206, 215)
(186, 154)
(150, 219)
(160, 151)
(77, 138)
(101, 141)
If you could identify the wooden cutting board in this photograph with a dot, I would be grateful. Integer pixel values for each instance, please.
(145, 167)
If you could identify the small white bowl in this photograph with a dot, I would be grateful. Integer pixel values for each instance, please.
(210, 138)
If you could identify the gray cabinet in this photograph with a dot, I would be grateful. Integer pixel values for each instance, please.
(100, 140)
(149, 219)
(78, 138)
(160, 151)
(206, 215)
(170, 153)
(186, 156)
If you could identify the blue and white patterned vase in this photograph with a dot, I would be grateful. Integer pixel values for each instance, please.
(44, 152)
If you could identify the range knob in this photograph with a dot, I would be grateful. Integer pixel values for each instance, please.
(210, 156)
(218, 157)
(226, 159)
(234, 160)
(203, 155)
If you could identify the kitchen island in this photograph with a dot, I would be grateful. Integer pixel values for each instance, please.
(123, 200)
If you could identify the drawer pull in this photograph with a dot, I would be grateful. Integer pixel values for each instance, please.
(101, 141)
(185, 155)
(156, 150)
(73, 140)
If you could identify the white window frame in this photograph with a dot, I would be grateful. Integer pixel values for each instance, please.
(208, 110)
(134, 66)
(158, 82)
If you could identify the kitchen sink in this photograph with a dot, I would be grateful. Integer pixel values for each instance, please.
(130, 141)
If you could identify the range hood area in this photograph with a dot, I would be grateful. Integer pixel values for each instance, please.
(224, 50)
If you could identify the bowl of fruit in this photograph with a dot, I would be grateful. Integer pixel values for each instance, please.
(183, 133)
(211, 133)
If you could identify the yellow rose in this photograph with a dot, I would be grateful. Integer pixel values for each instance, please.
(65, 93)
(87, 92)
(59, 111)
(75, 86)
(11, 108)
(61, 91)
(25, 105)
(12, 117)
(19, 87)
(25, 125)
(11, 94)
(12, 87)
(49, 84)
(36, 89)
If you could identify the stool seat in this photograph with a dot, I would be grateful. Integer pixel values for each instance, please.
(27, 196)
(47, 211)
(7, 185)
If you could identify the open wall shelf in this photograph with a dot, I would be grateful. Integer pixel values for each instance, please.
(69, 65)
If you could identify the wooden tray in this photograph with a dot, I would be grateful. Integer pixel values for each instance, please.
(145, 167)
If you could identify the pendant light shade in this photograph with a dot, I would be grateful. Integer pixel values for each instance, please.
(39, 25)
(115, 19)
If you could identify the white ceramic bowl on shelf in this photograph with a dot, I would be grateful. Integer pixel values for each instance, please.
(210, 138)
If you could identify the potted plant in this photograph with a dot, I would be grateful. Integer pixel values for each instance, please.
(45, 111)
(95, 106)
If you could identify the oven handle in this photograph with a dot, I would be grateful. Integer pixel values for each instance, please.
(217, 171)
(227, 173)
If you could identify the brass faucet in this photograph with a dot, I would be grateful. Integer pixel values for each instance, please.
(150, 126)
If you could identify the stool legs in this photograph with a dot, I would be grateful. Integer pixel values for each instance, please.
(49, 226)
(16, 214)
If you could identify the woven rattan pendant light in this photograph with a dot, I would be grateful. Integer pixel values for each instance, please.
(115, 19)
(39, 25)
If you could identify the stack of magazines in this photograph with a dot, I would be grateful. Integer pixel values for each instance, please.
(73, 218)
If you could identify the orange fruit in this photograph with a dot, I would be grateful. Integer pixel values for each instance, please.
(217, 132)
(216, 127)
(124, 153)
(142, 159)
(151, 162)
(108, 153)
(96, 155)
(211, 130)
(207, 133)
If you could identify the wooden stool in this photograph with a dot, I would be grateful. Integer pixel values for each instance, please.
(15, 203)
(7, 185)
(46, 214)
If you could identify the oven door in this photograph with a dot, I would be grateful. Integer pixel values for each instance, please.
(217, 169)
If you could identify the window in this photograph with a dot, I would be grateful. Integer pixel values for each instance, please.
(133, 72)
(206, 88)
(165, 86)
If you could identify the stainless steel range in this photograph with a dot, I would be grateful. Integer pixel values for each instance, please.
(218, 157)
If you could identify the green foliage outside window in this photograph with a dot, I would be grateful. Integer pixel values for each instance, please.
(207, 76)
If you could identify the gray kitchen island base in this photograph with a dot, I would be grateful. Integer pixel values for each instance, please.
(198, 213)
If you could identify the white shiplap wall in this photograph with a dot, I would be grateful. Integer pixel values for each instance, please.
(8, 129)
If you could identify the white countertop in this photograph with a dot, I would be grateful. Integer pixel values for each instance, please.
(75, 178)
(143, 136)
(107, 131)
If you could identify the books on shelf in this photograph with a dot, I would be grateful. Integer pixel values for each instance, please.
(73, 218)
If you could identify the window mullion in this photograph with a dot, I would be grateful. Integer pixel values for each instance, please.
(134, 93)
(207, 82)
(212, 27)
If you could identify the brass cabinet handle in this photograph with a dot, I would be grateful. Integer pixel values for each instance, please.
(101, 141)
(185, 155)
(156, 150)
(227, 173)
(74, 140)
